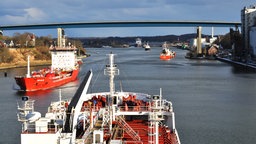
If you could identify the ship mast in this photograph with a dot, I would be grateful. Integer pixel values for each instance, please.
(111, 70)
(61, 37)
(28, 68)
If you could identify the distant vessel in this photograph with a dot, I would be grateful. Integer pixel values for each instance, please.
(166, 53)
(64, 68)
(138, 42)
(146, 46)
(198, 47)
(104, 117)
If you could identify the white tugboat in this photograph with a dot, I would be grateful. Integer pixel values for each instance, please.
(146, 46)
(104, 117)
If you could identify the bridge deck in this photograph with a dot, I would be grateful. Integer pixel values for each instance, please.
(123, 24)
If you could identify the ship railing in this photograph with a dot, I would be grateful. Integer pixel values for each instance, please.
(26, 106)
(133, 142)
(166, 107)
(134, 108)
(99, 112)
(88, 108)
(33, 129)
(62, 48)
(161, 105)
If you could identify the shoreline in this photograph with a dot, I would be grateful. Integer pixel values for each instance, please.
(32, 63)
(19, 65)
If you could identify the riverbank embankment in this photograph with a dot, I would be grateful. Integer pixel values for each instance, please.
(24, 64)
(17, 57)
(248, 66)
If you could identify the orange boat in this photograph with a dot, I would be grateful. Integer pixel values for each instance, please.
(166, 53)
(64, 69)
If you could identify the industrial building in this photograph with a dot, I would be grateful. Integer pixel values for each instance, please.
(248, 29)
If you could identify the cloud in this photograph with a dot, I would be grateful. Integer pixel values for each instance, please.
(24, 16)
(34, 14)
(48, 11)
(55, 11)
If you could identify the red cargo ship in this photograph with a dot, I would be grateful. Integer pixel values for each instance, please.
(64, 68)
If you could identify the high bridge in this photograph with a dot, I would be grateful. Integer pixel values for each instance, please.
(112, 24)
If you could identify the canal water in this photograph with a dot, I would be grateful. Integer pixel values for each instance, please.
(214, 102)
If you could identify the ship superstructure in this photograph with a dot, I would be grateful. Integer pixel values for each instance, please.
(138, 42)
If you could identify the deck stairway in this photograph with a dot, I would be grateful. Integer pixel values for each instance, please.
(141, 128)
(121, 122)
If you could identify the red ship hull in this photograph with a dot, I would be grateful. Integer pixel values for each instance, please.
(166, 57)
(35, 83)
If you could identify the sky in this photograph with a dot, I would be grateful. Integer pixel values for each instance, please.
(21, 12)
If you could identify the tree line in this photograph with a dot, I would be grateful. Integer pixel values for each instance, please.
(27, 43)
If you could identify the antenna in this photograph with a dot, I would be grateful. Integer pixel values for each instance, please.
(212, 32)
(28, 67)
(121, 87)
(60, 95)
